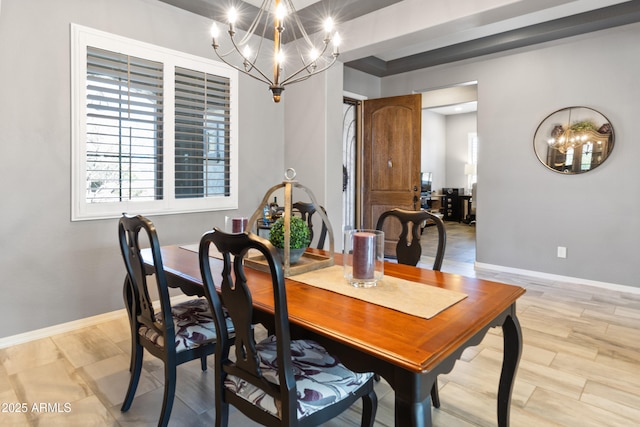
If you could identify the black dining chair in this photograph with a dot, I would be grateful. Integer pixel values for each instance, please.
(174, 334)
(277, 381)
(306, 211)
(409, 249)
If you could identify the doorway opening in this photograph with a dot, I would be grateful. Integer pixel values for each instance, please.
(450, 155)
(350, 137)
(446, 113)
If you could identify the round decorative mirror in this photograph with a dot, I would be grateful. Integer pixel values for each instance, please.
(573, 140)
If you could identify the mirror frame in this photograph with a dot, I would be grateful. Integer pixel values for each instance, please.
(553, 149)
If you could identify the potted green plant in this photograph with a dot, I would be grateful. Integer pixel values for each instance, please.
(298, 241)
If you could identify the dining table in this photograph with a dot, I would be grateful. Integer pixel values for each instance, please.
(408, 351)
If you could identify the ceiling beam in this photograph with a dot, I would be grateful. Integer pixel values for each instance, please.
(312, 16)
(582, 23)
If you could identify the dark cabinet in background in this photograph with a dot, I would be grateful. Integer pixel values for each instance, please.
(452, 204)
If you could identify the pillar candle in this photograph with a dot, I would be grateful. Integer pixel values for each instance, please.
(364, 255)
(238, 225)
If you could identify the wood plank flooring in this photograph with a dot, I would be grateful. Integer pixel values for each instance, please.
(580, 367)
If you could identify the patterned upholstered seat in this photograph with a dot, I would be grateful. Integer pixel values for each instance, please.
(193, 323)
(321, 380)
(277, 381)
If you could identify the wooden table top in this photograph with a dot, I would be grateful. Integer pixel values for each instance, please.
(410, 342)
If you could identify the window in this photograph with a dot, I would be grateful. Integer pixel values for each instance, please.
(123, 138)
(202, 137)
(569, 158)
(154, 130)
(587, 154)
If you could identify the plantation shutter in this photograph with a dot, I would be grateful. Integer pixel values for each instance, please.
(124, 135)
(202, 134)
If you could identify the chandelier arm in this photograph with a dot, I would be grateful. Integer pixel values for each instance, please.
(263, 80)
(244, 40)
(290, 79)
(299, 45)
(224, 54)
(297, 23)
(252, 63)
(306, 66)
(254, 25)
(303, 78)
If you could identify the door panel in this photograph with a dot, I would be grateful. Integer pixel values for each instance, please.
(390, 158)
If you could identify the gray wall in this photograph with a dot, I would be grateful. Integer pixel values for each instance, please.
(313, 140)
(445, 148)
(457, 150)
(55, 271)
(527, 210)
(434, 148)
(362, 84)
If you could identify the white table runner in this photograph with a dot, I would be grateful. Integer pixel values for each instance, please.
(417, 299)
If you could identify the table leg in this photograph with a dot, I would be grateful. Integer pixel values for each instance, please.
(512, 337)
(413, 399)
(417, 414)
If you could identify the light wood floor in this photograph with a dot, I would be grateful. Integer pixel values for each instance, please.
(580, 367)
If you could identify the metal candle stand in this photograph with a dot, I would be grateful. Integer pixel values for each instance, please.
(308, 261)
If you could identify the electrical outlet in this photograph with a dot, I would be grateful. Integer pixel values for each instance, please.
(562, 252)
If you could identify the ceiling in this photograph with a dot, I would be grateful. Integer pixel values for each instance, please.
(387, 37)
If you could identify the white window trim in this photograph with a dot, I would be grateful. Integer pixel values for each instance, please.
(81, 37)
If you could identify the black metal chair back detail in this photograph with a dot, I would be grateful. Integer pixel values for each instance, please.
(277, 381)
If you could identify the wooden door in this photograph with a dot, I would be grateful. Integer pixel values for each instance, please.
(390, 159)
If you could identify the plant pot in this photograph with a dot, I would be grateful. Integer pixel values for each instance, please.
(294, 254)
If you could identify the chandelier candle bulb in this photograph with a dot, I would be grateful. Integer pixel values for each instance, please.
(328, 28)
(336, 44)
(233, 16)
(215, 32)
(281, 12)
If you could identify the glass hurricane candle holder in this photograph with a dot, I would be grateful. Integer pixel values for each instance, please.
(236, 225)
(363, 257)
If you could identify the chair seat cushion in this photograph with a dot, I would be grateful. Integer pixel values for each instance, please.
(321, 379)
(193, 325)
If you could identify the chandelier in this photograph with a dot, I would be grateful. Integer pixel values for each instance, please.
(572, 135)
(245, 54)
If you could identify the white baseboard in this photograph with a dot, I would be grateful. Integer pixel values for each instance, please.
(73, 325)
(61, 328)
(558, 278)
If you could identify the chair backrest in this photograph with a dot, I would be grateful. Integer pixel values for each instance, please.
(129, 231)
(237, 300)
(306, 211)
(410, 252)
